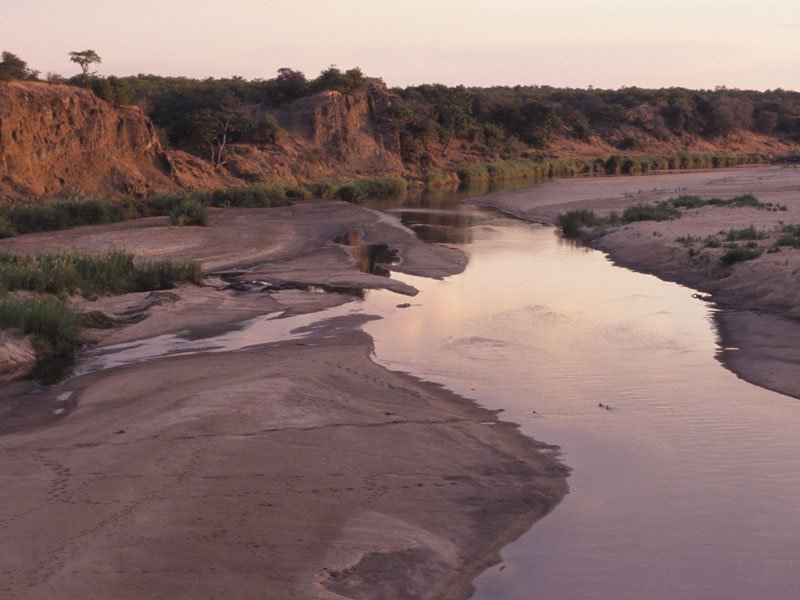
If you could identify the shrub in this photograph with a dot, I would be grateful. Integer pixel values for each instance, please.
(687, 202)
(6, 230)
(114, 272)
(790, 236)
(660, 211)
(297, 192)
(573, 221)
(52, 215)
(261, 195)
(734, 255)
(381, 187)
(189, 212)
(164, 274)
(747, 233)
(472, 173)
(159, 205)
(55, 326)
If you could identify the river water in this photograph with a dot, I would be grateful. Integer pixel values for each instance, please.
(686, 487)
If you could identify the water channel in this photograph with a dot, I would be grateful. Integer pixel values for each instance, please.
(685, 482)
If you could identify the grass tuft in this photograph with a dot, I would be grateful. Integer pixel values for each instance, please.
(660, 211)
(114, 273)
(54, 326)
(573, 221)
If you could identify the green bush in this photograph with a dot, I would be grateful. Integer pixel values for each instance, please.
(572, 221)
(734, 255)
(159, 205)
(53, 215)
(472, 173)
(54, 326)
(114, 272)
(381, 187)
(746, 233)
(189, 212)
(687, 202)
(261, 195)
(790, 236)
(660, 211)
(6, 230)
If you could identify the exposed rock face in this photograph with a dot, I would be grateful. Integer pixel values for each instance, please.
(56, 139)
(326, 134)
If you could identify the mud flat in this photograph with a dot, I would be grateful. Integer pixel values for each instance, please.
(760, 298)
(298, 469)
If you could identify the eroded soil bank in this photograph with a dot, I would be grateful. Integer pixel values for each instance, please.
(760, 297)
(298, 469)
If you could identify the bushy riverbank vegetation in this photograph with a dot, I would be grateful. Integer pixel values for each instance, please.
(496, 123)
(33, 290)
(89, 275)
(183, 208)
(53, 325)
(738, 244)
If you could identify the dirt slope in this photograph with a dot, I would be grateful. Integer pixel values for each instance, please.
(56, 140)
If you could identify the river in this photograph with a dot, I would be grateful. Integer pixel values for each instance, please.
(685, 479)
(687, 487)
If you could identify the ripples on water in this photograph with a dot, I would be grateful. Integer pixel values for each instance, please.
(687, 488)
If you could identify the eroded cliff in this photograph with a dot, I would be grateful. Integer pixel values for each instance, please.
(57, 140)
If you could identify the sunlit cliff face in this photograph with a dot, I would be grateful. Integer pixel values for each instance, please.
(691, 43)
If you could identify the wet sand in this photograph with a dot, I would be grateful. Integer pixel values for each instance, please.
(760, 298)
(299, 469)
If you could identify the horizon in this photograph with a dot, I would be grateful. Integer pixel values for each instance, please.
(574, 44)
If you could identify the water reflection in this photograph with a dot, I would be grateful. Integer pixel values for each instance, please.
(374, 259)
(439, 215)
(686, 488)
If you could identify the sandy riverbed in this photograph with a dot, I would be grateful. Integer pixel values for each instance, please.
(761, 297)
(289, 470)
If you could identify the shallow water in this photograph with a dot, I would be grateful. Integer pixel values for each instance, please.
(687, 488)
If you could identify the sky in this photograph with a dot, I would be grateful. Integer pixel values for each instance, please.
(571, 43)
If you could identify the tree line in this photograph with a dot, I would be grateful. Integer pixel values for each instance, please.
(205, 115)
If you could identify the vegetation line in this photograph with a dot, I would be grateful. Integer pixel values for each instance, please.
(54, 324)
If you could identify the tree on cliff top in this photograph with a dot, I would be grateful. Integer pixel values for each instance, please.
(13, 67)
(84, 59)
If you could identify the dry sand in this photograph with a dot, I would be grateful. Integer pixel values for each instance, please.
(299, 469)
(760, 298)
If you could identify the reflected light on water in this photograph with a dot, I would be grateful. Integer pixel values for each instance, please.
(686, 488)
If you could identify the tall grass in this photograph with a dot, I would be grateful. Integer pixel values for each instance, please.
(189, 212)
(53, 215)
(660, 211)
(572, 221)
(114, 273)
(183, 208)
(746, 233)
(739, 254)
(54, 325)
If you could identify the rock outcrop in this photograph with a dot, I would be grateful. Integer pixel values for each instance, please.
(56, 140)
(326, 134)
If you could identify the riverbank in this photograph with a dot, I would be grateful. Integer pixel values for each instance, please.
(293, 469)
(764, 290)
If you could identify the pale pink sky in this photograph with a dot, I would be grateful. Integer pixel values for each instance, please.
(605, 43)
